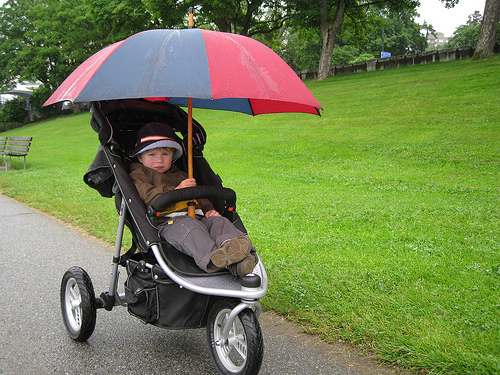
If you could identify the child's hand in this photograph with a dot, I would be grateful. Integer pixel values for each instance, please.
(211, 213)
(188, 182)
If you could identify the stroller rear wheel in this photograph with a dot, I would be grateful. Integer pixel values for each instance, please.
(78, 304)
(242, 353)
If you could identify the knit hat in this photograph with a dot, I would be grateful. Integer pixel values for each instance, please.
(154, 135)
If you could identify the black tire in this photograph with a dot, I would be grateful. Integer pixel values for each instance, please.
(242, 354)
(78, 304)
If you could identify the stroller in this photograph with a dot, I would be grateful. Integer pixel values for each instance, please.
(164, 287)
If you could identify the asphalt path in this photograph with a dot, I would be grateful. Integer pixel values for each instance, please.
(36, 250)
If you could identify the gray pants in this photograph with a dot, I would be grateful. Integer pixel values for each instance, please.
(199, 238)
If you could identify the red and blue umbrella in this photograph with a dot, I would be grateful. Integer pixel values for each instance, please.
(190, 68)
(217, 70)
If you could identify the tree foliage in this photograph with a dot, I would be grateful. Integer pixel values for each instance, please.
(466, 35)
(45, 40)
(396, 32)
(449, 3)
(249, 17)
(168, 13)
(301, 48)
(14, 26)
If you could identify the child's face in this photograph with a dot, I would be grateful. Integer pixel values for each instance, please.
(159, 159)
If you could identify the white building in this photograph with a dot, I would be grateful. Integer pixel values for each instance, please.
(22, 89)
(437, 40)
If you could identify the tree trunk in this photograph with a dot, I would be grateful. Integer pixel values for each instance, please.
(489, 26)
(329, 33)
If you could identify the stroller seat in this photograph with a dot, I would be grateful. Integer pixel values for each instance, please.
(117, 123)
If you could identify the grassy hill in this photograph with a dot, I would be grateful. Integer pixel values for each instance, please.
(378, 222)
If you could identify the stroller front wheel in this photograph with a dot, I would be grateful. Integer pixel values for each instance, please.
(78, 304)
(243, 351)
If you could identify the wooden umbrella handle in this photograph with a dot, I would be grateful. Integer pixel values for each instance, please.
(191, 206)
(191, 18)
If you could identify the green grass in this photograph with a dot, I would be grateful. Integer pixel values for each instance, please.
(378, 222)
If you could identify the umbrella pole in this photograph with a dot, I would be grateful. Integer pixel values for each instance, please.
(191, 205)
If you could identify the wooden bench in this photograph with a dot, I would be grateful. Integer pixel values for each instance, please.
(3, 143)
(16, 147)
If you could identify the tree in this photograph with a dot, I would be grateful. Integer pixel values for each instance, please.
(466, 35)
(489, 27)
(329, 15)
(45, 40)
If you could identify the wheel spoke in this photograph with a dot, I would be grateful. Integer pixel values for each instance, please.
(75, 292)
(78, 316)
(240, 345)
(227, 351)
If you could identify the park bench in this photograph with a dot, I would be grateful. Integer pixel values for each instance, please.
(16, 147)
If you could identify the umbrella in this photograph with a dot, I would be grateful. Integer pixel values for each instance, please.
(193, 68)
(218, 70)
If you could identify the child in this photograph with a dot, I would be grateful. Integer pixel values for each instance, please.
(213, 241)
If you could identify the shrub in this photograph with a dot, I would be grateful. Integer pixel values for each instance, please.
(14, 111)
(362, 57)
(343, 55)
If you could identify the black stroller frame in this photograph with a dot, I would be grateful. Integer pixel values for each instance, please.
(165, 287)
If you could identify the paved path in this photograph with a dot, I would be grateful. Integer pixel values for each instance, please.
(36, 250)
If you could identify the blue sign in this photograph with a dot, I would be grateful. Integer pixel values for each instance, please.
(385, 54)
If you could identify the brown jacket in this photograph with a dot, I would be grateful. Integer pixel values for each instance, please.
(150, 184)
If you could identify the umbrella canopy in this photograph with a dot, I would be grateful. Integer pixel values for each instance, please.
(217, 70)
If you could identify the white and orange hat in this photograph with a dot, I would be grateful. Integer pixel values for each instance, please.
(155, 135)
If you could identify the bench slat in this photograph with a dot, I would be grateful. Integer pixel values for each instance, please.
(23, 144)
(21, 138)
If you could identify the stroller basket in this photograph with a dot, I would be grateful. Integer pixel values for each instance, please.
(155, 299)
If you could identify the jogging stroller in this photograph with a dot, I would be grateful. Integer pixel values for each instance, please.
(165, 287)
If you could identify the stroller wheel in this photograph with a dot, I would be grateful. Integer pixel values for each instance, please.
(243, 351)
(78, 304)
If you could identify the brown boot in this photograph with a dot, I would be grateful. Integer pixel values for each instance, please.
(233, 251)
(242, 268)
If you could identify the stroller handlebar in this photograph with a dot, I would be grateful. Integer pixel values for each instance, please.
(197, 192)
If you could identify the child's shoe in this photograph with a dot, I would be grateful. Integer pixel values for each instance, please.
(242, 268)
(233, 251)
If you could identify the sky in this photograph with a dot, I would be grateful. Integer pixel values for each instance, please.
(444, 20)
(447, 20)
